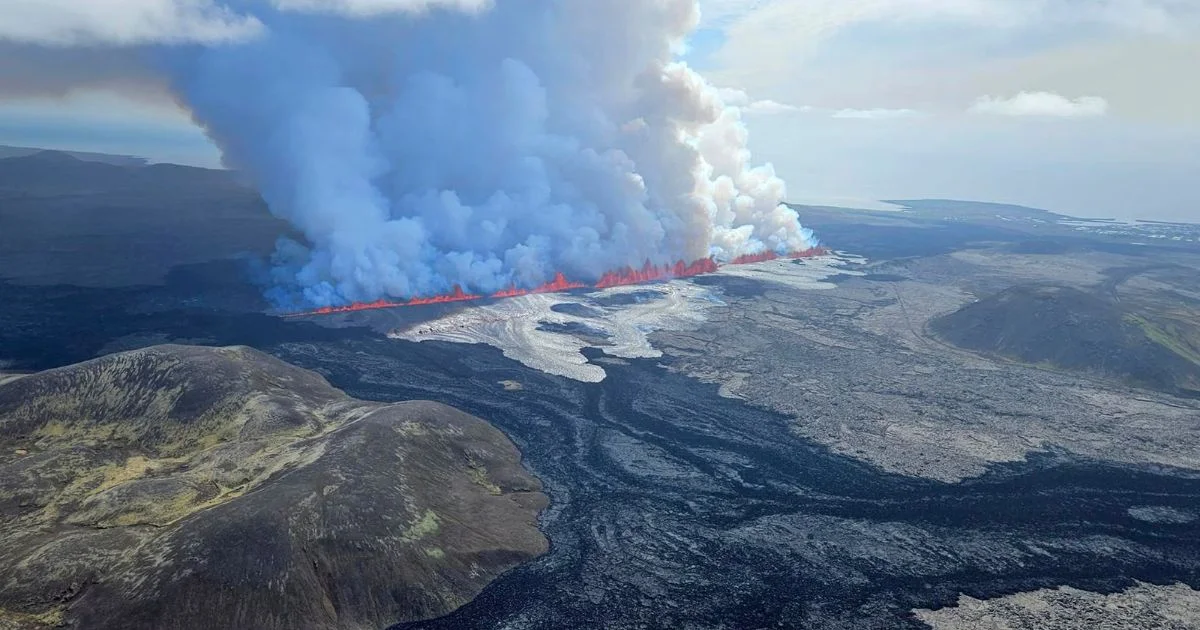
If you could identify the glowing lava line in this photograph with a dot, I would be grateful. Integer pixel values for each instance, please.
(747, 259)
(557, 285)
(560, 283)
(455, 296)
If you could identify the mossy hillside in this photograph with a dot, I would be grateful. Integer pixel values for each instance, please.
(124, 497)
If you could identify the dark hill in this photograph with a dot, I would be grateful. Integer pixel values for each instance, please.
(1071, 329)
(182, 487)
(7, 151)
(54, 172)
(58, 173)
(69, 221)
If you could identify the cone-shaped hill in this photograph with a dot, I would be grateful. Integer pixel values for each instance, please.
(185, 487)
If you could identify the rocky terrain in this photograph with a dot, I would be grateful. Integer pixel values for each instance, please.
(548, 332)
(860, 370)
(774, 446)
(187, 487)
(1142, 607)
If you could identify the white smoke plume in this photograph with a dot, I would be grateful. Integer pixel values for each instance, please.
(419, 144)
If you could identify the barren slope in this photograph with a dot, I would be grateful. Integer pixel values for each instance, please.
(186, 487)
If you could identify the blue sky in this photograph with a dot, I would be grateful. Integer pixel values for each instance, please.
(702, 45)
(1088, 107)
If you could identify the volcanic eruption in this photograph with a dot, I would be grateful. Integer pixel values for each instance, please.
(443, 150)
(560, 283)
(489, 148)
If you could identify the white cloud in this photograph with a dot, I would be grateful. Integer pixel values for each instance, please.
(875, 114)
(856, 59)
(768, 107)
(716, 13)
(831, 53)
(818, 19)
(122, 22)
(734, 97)
(1046, 104)
(140, 22)
(367, 8)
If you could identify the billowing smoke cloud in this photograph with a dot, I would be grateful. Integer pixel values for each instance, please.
(479, 144)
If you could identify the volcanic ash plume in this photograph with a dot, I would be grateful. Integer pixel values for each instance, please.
(481, 145)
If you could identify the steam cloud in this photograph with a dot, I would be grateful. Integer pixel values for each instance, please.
(479, 144)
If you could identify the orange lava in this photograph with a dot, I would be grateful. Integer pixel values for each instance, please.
(455, 296)
(747, 259)
(811, 252)
(651, 273)
(702, 266)
(560, 283)
(352, 308)
(557, 285)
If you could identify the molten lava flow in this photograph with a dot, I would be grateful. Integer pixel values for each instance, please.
(629, 275)
(558, 285)
(702, 266)
(510, 292)
(651, 273)
(455, 296)
(621, 277)
(747, 259)
(353, 308)
(811, 252)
